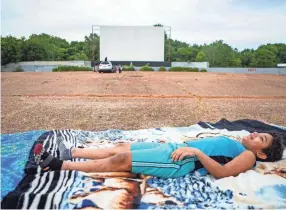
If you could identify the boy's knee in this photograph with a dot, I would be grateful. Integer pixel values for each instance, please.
(122, 145)
(123, 160)
(121, 148)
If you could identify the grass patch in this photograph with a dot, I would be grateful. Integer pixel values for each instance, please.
(183, 69)
(72, 68)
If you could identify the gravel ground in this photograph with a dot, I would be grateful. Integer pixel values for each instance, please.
(136, 100)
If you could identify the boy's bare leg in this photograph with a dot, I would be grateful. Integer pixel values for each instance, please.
(117, 163)
(100, 153)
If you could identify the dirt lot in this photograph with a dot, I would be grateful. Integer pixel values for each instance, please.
(135, 100)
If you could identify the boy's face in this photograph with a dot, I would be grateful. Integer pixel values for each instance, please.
(256, 142)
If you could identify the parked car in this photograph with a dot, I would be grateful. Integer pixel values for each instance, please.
(106, 66)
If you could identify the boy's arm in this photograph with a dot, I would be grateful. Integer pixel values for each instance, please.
(241, 163)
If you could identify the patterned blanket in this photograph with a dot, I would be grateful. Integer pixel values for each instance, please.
(263, 187)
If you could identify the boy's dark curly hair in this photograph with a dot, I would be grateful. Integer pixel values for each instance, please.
(275, 151)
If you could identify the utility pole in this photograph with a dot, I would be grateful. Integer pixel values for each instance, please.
(94, 28)
(168, 29)
(170, 46)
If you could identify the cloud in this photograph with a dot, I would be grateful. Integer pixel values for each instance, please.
(195, 21)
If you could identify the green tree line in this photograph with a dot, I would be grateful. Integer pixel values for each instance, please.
(44, 47)
(220, 54)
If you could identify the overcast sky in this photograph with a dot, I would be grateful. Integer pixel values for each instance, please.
(240, 23)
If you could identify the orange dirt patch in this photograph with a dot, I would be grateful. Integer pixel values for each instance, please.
(135, 100)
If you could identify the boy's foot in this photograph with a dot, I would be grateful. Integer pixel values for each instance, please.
(65, 149)
(45, 160)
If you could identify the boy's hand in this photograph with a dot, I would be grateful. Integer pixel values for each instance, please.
(182, 152)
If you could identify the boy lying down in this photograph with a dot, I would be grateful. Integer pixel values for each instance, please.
(220, 156)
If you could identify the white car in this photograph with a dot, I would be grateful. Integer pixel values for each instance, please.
(105, 66)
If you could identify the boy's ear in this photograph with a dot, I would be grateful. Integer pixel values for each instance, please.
(261, 155)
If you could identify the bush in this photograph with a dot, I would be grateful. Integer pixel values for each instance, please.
(18, 69)
(128, 68)
(146, 68)
(72, 68)
(203, 70)
(162, 68)
(187, 69)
